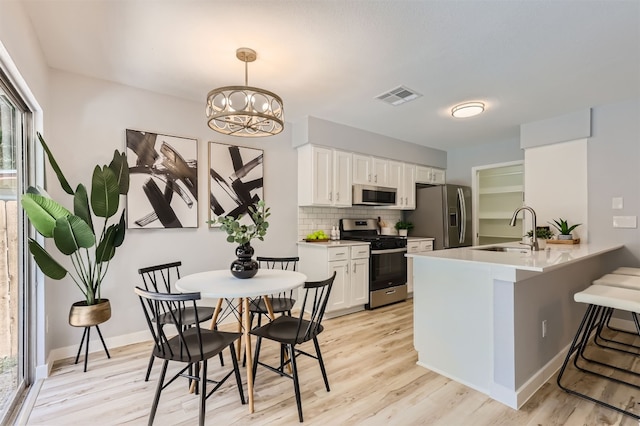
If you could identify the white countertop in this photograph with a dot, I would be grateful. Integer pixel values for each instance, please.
(554, 256)
(338, 243)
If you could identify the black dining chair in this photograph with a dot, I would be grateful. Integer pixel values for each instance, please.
(290, 332)
(159, 278)
(281, 303)
(190, 345)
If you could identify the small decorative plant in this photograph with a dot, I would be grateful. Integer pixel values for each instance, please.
(404, 225)
(542, 232)
(563, 227)
(242, 234)
(90, 248)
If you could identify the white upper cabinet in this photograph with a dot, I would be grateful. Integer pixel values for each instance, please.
(380, 171)
(342, 192)
(324, 177)
(362, 169)
(403, 177)
(430, 175)
(408, 187)
(370, 170)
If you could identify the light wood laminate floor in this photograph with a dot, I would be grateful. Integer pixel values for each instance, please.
(374, 379)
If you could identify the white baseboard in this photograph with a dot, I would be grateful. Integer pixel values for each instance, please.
(43, 371)
(532, 385)
(95, 345)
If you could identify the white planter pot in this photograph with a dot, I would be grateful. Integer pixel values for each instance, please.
(403, 232)
(565, 237)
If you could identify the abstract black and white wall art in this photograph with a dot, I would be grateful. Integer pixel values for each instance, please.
(235, 180)
(163, 192)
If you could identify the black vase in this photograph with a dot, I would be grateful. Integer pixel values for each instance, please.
(244, 266)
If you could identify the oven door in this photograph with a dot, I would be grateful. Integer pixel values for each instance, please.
(388, 268)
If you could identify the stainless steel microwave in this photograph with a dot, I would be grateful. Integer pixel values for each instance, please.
(368, 195)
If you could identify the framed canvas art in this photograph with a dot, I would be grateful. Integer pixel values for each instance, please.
(163, 191)
(235, 180)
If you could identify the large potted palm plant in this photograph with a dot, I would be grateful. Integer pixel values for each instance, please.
(89, 247)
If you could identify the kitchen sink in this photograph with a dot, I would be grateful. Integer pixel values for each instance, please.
(503, 249)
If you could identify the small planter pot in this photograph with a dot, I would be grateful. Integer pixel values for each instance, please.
(542, 244)
(403, 232)
(565, 237)
(83, 315)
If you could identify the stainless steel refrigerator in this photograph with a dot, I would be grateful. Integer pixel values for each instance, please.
(444, 213)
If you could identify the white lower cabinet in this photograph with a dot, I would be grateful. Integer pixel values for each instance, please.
(350, 290)
(415, 245)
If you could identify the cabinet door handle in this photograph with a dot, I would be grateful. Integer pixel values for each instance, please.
(354, 268)
(330, 196)
(369, 178)
(406, 201)
(375, 179)
(337, 196)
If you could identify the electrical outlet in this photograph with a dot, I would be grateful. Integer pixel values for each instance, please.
(544, 328)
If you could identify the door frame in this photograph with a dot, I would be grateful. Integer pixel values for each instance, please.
(475, 192)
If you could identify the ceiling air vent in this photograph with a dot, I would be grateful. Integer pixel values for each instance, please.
(398, 96)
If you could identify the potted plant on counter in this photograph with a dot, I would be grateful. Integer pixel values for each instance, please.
(543, 233)
(89, 247)
(403, 227)
(563, 227)
(244, 266)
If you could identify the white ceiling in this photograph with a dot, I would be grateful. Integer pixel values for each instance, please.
(528, 60)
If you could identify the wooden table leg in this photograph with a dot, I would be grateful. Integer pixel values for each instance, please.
(247, 348)
(216, 314)
(267, 303)
(240, 317)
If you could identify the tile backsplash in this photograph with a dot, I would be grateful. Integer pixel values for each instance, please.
(315, 218)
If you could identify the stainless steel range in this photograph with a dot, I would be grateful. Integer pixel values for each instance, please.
(387, 264)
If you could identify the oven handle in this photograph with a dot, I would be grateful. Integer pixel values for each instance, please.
(387, 251)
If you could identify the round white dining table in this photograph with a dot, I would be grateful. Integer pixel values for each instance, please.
(221, 285)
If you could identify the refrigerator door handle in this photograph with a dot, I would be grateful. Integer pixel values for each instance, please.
(463, 216)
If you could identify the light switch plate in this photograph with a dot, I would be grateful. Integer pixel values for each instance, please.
(625, 222)
(617, 203)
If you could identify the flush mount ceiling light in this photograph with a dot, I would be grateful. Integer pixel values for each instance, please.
(467, 109)
(244, 110)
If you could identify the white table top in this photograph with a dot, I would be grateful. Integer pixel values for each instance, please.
(221, 284)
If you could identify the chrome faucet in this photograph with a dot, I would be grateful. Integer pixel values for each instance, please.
(534, 240)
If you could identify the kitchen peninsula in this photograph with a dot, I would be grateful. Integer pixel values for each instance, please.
(500, 322)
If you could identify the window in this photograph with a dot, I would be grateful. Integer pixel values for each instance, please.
(15, 124)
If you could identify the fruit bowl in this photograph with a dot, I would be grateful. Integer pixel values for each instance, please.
(321, 240)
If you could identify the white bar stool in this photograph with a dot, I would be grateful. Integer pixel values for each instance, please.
(600, 299)
(630, 282)
(624, 270)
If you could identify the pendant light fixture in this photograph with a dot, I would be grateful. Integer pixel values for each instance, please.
(244, 110)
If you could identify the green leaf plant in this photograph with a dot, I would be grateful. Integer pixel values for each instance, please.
(242, 234)
(563, 227)
(89, 248)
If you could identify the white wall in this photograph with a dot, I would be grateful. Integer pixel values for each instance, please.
(461, 161)
(613, 171)
(87, 121)
(555, 182)
(327, 133)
